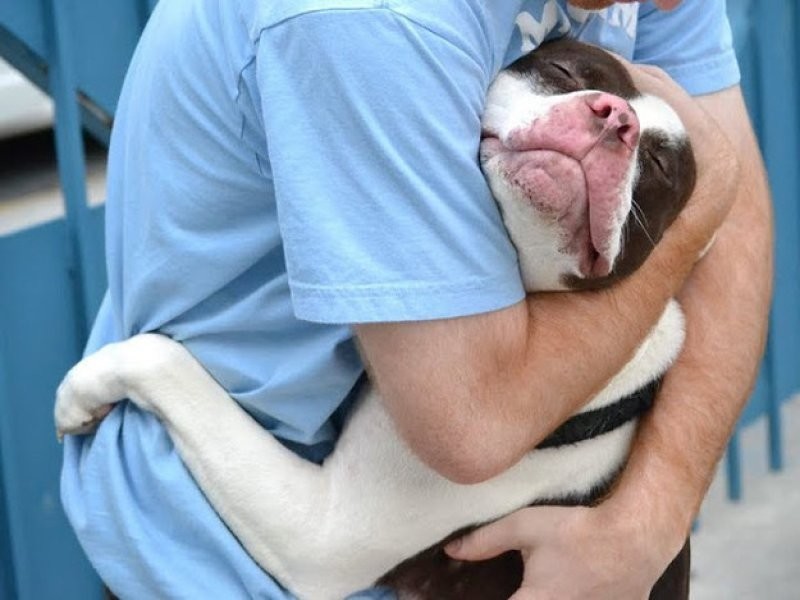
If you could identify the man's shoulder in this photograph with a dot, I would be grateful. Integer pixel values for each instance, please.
(263, 14)
(272, 12)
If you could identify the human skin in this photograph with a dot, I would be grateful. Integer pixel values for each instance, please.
(598, 4)
(618, 549)
(472, 395)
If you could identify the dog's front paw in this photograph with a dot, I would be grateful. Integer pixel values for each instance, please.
(87, 394)
(73, 414)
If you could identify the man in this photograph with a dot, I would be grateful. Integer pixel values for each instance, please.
(282, 173)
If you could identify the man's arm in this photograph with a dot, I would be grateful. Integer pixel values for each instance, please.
(472, 395)
(726, 301)
(618, 549)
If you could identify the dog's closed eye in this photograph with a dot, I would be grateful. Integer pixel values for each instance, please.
(659, 161)
(566, 74)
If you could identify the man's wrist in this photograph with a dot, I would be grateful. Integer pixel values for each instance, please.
(656, 520)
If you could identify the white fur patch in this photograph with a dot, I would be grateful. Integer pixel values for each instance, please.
(514, 101)
(538, 240)
(655, 114)
(330, 531)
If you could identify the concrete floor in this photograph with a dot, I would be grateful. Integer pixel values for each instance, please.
(744, 551)
(750, 550)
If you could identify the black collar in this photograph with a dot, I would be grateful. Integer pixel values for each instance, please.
(592, 423)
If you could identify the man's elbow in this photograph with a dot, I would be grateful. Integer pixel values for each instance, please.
(469, 452)
(464, 466)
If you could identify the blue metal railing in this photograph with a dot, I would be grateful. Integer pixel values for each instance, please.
(52, 278)
(767, 46)
(52, 275)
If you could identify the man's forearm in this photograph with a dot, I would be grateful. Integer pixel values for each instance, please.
(502, 404)
(494, 406)
(472, 395)
(726, 303)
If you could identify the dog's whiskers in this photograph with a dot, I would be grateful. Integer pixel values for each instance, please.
(640, 218)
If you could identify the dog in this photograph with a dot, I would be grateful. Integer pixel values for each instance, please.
(588, 173)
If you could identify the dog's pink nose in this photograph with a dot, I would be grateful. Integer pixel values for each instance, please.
(616, 117)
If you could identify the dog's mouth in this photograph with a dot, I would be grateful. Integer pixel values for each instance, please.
(554, 184)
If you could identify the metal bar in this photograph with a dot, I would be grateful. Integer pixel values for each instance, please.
(23, 59)
(71, 159)
(146, 8)
(94, 121)
(777, 47)
(778, 60)
(733, 465)
(8, 515)
(774, 433)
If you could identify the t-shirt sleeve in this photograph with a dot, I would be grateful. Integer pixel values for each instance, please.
(373, 125)
(693, 43)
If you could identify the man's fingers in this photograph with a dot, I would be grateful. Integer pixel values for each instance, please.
(509, 533)
(651, 74)
(667, 4)
(654, 80)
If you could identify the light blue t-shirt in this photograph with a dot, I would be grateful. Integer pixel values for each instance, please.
(279, 170)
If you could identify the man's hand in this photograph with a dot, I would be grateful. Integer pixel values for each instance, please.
(573, 553)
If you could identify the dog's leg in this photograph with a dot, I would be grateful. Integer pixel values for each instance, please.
(274, 501)
(324, 532)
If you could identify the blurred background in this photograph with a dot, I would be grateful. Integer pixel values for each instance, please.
(61, 67)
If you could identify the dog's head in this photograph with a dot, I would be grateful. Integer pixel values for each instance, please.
(588, 172)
